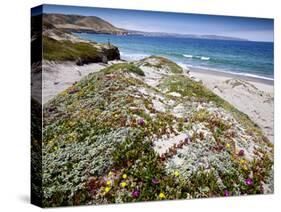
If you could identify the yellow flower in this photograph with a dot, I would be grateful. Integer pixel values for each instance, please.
(107, 189)
(110, 173)
(124, 176)
(227, 145)
(123, 184)
(55, 148)
(242, 161)
(162, 196)
(245, 167)
(108, 182)
(176, 173)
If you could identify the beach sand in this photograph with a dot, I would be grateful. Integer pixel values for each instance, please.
(252, 96)
(58, 76)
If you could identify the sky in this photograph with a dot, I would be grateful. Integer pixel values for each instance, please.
(255, 29)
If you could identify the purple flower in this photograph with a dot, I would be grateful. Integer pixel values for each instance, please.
(135, 193)
(155, 181)
(186, 140)
(141, 122)
(241, 153)
(226, 193)
(249, 181)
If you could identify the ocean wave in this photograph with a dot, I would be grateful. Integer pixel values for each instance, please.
(133, 56)
(205, 58)
(196, 57)
(188, 55)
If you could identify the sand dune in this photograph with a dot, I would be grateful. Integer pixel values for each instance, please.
(254, 97)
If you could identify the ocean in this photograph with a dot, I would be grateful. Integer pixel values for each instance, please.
(248, 58)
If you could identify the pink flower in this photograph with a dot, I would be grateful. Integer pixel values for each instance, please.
(249, 181)
(241, 153)
(141, 122)
(226, 193)
(155, 181)
(135, 193)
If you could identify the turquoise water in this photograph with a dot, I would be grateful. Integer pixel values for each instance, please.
(240, 57)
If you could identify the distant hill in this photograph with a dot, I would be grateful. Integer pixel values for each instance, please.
(163, 34)
(80, 23)
(93, 24)
(217, 37)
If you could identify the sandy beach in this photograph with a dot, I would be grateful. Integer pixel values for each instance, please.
(253, 96)
(58, 76)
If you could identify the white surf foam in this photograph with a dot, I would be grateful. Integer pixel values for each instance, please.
(188, 55)
(205, 58)
(196, 57)
(132, 56)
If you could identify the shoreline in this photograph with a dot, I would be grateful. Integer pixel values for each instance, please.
(232, 75)
(243, 76)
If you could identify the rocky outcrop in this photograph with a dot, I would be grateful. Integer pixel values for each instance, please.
(61, 45)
